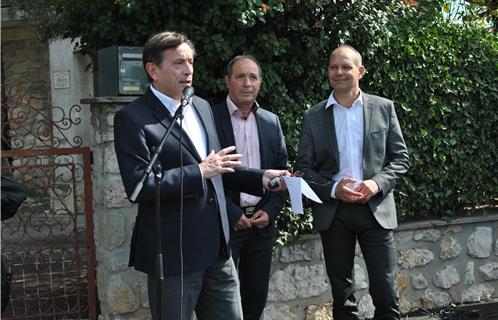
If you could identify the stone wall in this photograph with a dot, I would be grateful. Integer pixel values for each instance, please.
(439, 263)
(26, 72)
(121, 290)
(26, 89)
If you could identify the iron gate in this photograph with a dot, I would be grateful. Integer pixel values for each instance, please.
(48, 245)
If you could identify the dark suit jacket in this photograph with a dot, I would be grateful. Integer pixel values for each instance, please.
(13, 195)
(138, 127)
(385, 158)
(273, 155)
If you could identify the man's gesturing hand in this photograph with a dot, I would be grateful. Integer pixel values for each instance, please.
(221, 162)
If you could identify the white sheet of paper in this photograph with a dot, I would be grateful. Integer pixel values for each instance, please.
(294, 187)
(297, 187)
(308, 192)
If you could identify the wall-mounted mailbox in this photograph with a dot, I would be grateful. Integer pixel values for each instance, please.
(121, 72)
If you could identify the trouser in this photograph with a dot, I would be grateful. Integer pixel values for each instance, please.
(355, 222)
(212, 292)
(252, 253)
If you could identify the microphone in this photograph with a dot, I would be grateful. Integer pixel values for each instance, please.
(273, 183)
(188, 92)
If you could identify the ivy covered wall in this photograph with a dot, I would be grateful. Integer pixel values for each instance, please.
(442, 75)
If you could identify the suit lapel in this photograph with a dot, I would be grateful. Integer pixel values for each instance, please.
(161, 113)
(207, 121)
(367, 118)
(206, 116)
(262, 133)
(328, 123)
(226, 125)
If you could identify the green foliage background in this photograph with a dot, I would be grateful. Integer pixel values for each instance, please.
(443, 76)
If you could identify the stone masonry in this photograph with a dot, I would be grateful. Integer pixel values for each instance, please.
(26, 77)
(439, 262)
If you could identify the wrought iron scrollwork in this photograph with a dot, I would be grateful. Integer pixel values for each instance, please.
(48, 244)
(28, 128)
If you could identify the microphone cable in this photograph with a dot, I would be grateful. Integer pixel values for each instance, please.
(188, 92)
(181, 214)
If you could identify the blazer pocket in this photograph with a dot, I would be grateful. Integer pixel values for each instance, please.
(378, 142)
(378, 131)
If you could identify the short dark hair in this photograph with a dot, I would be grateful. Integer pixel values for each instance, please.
(240, 57)
(160, 42)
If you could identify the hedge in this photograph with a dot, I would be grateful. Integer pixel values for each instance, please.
(442, 76)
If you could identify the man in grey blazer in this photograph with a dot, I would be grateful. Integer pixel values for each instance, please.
(352, 153)
(199, 273)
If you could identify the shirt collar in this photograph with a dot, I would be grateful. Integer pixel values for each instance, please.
(168, 102)
(331, 101)
(232, 108)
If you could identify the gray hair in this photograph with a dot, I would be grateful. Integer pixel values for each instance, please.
(229, 70)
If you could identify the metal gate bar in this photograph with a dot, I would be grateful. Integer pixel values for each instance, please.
(85, 153)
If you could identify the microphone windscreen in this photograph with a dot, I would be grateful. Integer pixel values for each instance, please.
(273, 183)
(188, 92)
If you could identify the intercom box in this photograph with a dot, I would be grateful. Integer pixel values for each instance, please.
(120, 72)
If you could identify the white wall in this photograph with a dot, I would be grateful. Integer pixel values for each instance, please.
(78, 86)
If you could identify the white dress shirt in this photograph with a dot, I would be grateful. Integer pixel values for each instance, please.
(191, 123)
(349, 127)
(245, 132)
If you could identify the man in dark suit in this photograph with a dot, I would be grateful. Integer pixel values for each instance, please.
(257, 134)
(352, 152)
(199, 273)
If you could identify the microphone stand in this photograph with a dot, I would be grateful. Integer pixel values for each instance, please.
(155, 165)
(140, 184)
(159, 258)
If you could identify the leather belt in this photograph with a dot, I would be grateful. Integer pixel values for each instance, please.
(249, 211)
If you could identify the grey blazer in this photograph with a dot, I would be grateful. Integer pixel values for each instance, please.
(385, 158)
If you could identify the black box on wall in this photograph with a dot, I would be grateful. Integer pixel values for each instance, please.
(120, 72)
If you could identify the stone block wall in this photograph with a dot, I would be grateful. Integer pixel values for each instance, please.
(122, 291)
(26, 91)
(439, 262)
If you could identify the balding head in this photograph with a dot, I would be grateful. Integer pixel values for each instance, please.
(345, 49)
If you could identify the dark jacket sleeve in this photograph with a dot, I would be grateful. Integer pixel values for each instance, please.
(244, 179)
(13, 195)
(306, 162)
(273, 202)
